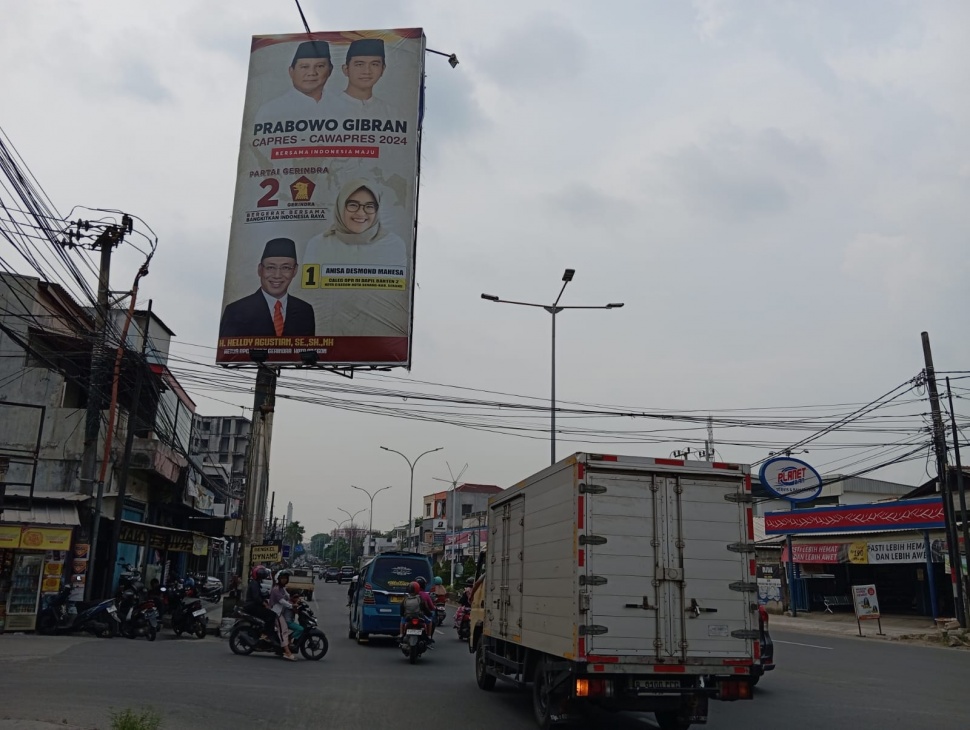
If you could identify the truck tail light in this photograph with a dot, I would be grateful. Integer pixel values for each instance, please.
(734, 689)
(594, 687)
(369, 599)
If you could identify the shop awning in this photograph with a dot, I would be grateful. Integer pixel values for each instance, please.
(163, 538)
(43, 513)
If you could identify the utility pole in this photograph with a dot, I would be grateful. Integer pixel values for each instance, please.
(254, 505)
(709, 446)
(110, 237)
(939, 445)
(129, 442)
(960, 491)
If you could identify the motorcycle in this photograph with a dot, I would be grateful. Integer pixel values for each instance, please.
(305, 637)
(414, 643)
(55, 615)
(137, 613)
(188, 616)
(439, 614)
(463, 623)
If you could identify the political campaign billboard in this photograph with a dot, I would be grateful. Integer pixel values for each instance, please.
(320, 267)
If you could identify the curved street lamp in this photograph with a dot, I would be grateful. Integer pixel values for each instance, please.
(351, 517)
(370, 525)
(411, 491)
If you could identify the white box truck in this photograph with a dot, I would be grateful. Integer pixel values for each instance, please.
(625, 582)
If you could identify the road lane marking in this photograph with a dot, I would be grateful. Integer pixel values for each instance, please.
(795, 643)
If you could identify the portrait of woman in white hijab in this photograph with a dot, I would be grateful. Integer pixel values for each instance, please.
(352, 303)
(357, 236)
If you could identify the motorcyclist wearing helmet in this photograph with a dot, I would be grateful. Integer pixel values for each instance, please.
(414, 605)
(466, 595)
(438, 591)
(257, 604)
(427, 604)
(279, 603)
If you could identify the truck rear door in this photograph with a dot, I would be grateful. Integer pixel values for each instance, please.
(657, 566)
(505, 577)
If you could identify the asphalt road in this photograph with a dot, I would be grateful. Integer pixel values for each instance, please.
(822, 682)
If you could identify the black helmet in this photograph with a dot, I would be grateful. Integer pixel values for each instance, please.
(262, 573)
(421, 581)
(470, 582)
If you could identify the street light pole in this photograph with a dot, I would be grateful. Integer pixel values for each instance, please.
(339, 525)
(352, 529)
(370, 524)
(411, 464)
(554, 309)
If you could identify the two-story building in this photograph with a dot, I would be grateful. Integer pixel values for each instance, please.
(48, 521)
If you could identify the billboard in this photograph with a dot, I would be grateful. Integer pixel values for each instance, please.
(322, 239)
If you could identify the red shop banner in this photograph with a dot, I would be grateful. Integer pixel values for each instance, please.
(904, 514)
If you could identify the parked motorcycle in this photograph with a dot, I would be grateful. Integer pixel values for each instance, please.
(414, 643)
(188, 615)
(463, 623)
(305, 636)
(60, 615)
(137, 613)
(55, 615)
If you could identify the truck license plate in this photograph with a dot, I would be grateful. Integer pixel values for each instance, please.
(648, 686)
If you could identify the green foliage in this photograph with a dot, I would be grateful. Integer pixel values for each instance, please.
(318, 544)
(147, 719)
(293, 534)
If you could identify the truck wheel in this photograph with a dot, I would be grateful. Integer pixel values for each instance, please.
(546, 703)
(485, 680)
(671, 720)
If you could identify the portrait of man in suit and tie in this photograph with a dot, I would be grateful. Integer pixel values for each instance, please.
(271, 310)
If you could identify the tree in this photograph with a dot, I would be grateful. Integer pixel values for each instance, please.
(293, 534)
(318, 543)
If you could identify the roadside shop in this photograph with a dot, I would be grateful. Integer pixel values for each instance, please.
(898, 546)
(37, 552)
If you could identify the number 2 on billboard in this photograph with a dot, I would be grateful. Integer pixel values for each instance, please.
(272, 186)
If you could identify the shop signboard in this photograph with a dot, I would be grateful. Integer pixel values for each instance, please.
(897, 551)
(9, 537)
(322, 235)
(769, 582)
(866, 605)
(265, 554)
(180, 543)
(45, 538)
(790, 479)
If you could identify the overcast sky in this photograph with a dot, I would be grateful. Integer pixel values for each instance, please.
(778, 192)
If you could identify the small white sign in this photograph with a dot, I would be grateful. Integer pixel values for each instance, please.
(720, 630)
(866, 602)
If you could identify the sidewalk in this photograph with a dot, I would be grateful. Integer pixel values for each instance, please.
(894, 628)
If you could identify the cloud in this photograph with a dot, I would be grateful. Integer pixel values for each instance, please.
(536, 55)
(140, 80)
(895, 265)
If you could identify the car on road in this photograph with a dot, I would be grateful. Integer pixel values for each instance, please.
(331, 573)
(375, 607)
(346, 573)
